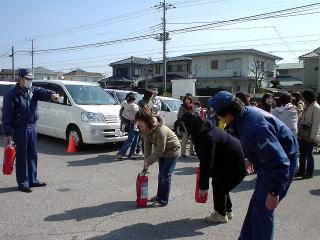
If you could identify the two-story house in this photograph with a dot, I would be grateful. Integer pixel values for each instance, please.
(130, 68)
(311, 62)
(233, 70)
(290, 75)
(177, 67)
(83, 76)
(7, 75)
(41, 73)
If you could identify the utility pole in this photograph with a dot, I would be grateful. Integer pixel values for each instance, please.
(32, 53)
(164, 37)
(13, 71)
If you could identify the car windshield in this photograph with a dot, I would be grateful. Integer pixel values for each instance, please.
(122, 96)
(173, 104)
(90, 95)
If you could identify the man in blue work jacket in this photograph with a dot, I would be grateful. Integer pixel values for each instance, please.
(272, 149)
(19, 116)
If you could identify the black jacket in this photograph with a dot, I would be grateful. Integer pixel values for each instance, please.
(221, 157)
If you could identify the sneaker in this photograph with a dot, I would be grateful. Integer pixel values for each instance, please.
(229, 215)
(132, 158)
(193, 154)
(156, 204)
(216, 218)
(119, 157)
(183, 156)
(154, 199)
(139, 154)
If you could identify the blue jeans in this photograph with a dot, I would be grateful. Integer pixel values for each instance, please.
(306, 156)
(140, 144)
(166, 167)
(259, 221)
(131, 141)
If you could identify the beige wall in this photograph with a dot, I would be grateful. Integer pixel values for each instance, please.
(243, 69)
(311, 77)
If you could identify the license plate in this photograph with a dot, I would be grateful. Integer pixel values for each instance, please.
(118, 133)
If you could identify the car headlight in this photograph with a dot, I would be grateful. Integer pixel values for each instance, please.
(92, 117)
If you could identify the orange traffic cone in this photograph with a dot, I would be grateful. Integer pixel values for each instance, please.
(72, 145)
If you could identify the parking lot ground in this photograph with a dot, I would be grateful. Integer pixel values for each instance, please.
(92, 196)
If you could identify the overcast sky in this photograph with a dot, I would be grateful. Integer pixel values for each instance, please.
(65, 23)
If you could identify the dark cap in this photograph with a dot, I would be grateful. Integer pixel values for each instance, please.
(221, 100)
(23, 72)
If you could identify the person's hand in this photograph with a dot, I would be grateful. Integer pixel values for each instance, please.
(272, 202)
(6, 140)
(55, 97)
(145, 166)
(202, 193)
(249, 167)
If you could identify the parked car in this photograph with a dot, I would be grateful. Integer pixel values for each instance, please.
(169, 110)
(4, 88)
(120, 95)
(84, 111)
(169, 106)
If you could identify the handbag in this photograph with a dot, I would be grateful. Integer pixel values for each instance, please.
(304, 128)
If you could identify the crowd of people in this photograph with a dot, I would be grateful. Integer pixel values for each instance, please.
(274, 139)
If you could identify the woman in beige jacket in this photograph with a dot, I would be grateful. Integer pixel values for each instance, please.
(308, 131)
(166, 151)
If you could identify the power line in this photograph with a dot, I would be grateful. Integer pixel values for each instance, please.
(207, 26)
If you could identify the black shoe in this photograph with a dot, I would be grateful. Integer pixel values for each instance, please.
(307, 176)
(40, 184)
(298, 174)
(183, 156)
(25, 189)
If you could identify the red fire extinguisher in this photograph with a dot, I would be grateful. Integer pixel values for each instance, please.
(9, 155)
(142, 189)
(198, 198)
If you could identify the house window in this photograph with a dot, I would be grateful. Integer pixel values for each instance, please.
(179, 68)
(229, 64)
(157, 69)
(169, 68)
(316, 69)
(48, 77)
(214, 64)
(262, 65)
(137, 71)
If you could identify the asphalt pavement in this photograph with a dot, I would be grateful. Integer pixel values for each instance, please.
(90, 195)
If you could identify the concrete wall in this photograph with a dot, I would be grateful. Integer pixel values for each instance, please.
(183, 86)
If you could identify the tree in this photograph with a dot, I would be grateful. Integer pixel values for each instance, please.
(257, 72)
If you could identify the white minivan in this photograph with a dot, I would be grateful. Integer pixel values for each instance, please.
(84, 111)
(169, 110)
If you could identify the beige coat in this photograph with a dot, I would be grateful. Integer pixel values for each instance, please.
(311, 114)
(166, 143)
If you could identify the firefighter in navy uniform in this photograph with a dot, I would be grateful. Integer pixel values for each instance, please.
(19, 118)
(272, 149)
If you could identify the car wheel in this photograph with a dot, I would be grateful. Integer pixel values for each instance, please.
(75, 132)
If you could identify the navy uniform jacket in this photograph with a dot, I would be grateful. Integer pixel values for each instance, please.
(221, 157)
(20, 108)
(268, 144)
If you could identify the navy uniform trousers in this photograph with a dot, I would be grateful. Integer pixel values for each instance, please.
(25, 139)
(259, 221)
